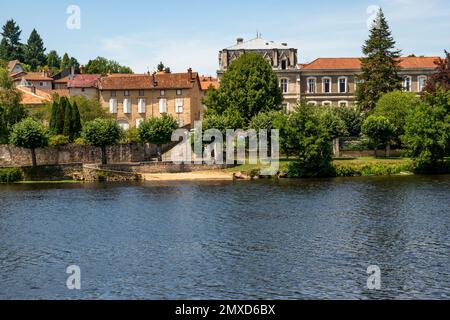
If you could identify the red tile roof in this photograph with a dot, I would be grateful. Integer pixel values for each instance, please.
(84, 81)
(206, 82)
(39, 97)
(12, 64)
(33, 76)
(145, 81)
(355, 63)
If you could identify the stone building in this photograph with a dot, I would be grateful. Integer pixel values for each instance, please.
(324, 81)
(132, 98)
(281, 57)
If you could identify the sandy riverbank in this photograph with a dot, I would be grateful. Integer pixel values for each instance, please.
(190, 176)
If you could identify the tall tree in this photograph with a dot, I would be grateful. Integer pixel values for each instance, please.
(35, 51)
(73, 63)
(53, 60)
(10, 46)
(65, 61)
(11, 111)
(249, 86)
(441, 78)
(380, 66)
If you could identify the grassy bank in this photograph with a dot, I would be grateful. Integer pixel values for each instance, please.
(351, 167)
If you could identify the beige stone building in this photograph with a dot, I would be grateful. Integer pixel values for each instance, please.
(132, 98)
(324, 81)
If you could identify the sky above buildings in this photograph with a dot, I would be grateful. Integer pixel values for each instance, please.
(186, 34)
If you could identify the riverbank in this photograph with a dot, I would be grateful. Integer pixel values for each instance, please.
(343, 167)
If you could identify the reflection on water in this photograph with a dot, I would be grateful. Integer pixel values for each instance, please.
(245, 240)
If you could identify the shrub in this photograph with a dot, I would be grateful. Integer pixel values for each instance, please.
(9, 175)
(58, 140)
(79, 141)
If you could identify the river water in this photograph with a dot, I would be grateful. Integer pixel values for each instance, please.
(286, 239)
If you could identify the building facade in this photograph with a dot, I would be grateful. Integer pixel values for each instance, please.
(324, 81)
(132, 98)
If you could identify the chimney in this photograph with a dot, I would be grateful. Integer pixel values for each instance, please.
(155, 83)
(82, 70)
(240, 40)
(190, 73)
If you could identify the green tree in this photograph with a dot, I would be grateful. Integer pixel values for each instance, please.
(35, 51)
(249, 86)
(68, 122)
(311, 144)
(230, 119)
(10, 46)
(332, 121)
(73, 63)
(427, 131)
(53, 60)
(76, 122)
(104, 66)
(353, 118)
(29, 134)
(380, 66)
(379, 130)
(11, 111)
(102, 133)
(395, 106)
(158, 131)
(441, 78)
(89, 109)
(65, 62)
(53, 117)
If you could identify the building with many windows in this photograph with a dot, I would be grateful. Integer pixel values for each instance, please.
(132, 98)
(324, 81)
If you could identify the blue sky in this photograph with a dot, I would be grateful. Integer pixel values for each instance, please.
(190, 33)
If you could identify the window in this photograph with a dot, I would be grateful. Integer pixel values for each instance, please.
(127, 106)
(179, 105)
(407, 83)
(113, 105)
(327, 103)
(343, 104)
(162, 105)
(142, 106)
(312, 103)
(141, 93)
(41, 84)
(113, 94)
(284, 85)
(422, 81)
(162, 93)
(311, 85)
(179, 92)
(83, 89)
(124, 124)
(139, 122)
(343, 85)
(283, 65)
(326, 83)
(126, 93)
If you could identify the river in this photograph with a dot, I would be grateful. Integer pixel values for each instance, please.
(304, 239)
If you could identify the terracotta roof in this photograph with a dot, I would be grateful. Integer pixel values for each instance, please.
(33, 98)
(355, 63)
(39, 97)
(145, 81)
(62, 80)
(84, 81)
(12, 64)
(33, 76)
(206, 82)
